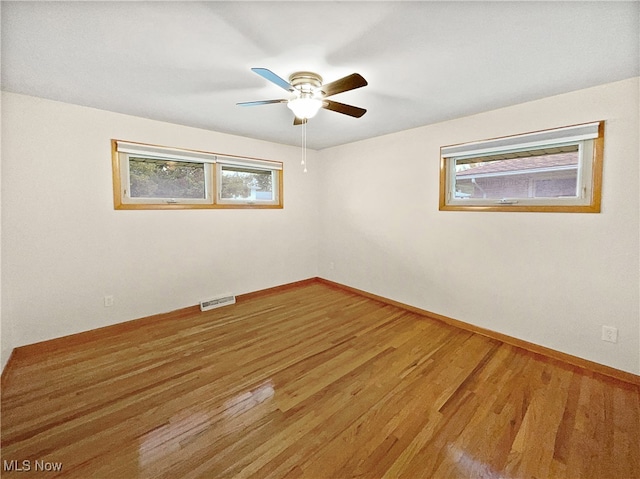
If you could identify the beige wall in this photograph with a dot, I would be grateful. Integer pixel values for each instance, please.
(64, 246)
(549, 278)
(366, 215)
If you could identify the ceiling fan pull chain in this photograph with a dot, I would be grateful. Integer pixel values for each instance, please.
(304, 145)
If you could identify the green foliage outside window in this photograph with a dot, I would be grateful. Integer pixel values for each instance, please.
(166, 179)
(241, 183)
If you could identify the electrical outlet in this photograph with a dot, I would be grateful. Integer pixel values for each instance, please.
(108, 301)
(609, 333)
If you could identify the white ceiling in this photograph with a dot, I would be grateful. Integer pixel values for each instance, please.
(426, 62)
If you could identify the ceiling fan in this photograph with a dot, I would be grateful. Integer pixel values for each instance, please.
(309, 94)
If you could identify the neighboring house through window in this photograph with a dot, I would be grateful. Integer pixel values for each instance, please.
(552, 170)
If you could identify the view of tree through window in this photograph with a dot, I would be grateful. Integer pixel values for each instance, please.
(151, 178)
(246, 183)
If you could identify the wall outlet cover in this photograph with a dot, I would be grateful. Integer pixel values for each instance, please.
(609, 333)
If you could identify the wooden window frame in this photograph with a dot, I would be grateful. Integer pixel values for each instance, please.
(595, 190)
(118, 187)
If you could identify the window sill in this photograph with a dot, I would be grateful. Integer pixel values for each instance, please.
(595, 208)
(173, 206)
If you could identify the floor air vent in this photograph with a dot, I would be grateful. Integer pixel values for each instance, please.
(218, 301)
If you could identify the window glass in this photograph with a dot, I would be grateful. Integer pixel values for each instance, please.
(154, 178)
(537, 175)
(239, 183)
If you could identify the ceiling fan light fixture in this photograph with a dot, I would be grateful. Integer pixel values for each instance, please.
(305, 106)
(309, 93)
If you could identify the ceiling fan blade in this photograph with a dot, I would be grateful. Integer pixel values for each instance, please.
(350, 82)
(260, 102)
(273, 78)
(344, 109)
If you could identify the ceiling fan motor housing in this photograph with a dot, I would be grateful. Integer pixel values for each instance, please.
(305, 82)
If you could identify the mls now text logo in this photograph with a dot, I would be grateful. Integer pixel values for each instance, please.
(27, 465)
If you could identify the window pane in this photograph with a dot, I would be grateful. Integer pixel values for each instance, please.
(539, 175)
(248, 184)
(151, 178)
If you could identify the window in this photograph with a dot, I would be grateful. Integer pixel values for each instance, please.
(239, 184)
(556, 170)
(152, 180)
(155, 177)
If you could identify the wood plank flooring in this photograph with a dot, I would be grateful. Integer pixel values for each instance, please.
(312, 382)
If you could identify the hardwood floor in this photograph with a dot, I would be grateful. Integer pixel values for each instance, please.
(312, 382)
